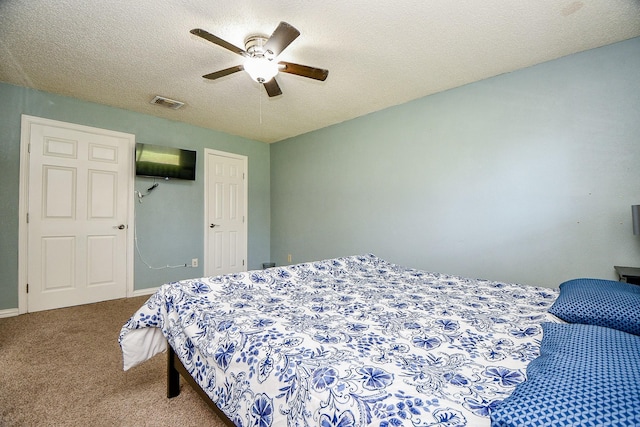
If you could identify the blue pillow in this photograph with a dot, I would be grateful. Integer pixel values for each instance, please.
(585, 375)
(599, 302)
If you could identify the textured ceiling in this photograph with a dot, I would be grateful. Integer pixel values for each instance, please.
(379, 53)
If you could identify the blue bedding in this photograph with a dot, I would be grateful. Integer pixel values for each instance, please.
(585, 376)
(349, 341)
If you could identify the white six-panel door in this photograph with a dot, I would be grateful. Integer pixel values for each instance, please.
(78, 214)
(225, 213)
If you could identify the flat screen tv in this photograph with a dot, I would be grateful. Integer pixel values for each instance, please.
(165, 162)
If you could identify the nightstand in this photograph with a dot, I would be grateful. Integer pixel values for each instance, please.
(628, 274)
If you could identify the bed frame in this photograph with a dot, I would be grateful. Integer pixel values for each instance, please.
(175, 368)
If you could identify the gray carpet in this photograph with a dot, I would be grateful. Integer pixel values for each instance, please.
(64, 368)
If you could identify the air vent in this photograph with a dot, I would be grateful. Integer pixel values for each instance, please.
(166, 102)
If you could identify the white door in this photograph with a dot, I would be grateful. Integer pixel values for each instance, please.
(225, 248)
(78, 188)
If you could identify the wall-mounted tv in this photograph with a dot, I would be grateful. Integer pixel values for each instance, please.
(165, 162)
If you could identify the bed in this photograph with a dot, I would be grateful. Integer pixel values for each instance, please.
(349, 341)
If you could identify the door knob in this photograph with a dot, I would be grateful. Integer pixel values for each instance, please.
(120, 227)
(213, 225)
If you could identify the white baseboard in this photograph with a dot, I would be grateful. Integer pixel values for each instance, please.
(9, 313)
(146, 291)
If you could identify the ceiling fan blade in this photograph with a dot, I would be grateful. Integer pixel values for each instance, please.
(282, 37)
(222, 73)
(217, 40)
(304, 71)
(272, 87)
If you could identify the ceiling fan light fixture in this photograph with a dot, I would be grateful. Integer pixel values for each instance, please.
(260, 58)
(261, 69)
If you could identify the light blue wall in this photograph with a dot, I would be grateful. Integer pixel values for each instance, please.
(170, 221)
(526, 177)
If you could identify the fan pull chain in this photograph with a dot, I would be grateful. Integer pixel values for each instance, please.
(260, 96)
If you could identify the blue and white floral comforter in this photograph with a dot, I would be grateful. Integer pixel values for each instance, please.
(349, 341)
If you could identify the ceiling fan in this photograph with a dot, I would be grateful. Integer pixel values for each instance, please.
(260, 58)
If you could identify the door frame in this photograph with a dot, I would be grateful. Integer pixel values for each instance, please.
(23, 204)
(245, 161)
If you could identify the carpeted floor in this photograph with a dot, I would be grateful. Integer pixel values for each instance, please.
(64, 368)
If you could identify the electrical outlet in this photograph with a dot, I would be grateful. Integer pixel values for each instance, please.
(289, 258)
(194, 262)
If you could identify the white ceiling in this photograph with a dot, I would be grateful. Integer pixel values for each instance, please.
(379, 53)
